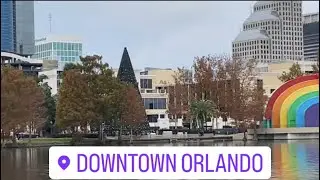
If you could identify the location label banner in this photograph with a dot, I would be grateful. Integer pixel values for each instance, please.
(165, 162)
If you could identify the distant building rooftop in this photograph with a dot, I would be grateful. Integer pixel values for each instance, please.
(260, 3)
(261, 16)
(251, 35)
(58, 38)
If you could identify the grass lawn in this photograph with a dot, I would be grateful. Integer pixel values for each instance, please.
(45, 140)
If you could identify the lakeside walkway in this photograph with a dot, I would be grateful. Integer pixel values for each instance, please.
(178, 137)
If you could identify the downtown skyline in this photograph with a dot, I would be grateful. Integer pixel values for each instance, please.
(170, 35)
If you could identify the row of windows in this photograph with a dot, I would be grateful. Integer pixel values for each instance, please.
(59, 46)
(288, 28)
(287, 45)
(250, 43)
(312, 50)
(155, 103)
(58, 53)
(250, 48)
(67, 46)
(289, 23)
(154, 117)
(274, 5)
(71, 59)
(245, 53)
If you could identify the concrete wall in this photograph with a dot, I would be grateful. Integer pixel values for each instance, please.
(52, 79)
(162, 76)
(270, 76)
(286, 133)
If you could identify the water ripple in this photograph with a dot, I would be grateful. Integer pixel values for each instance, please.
(291, 160)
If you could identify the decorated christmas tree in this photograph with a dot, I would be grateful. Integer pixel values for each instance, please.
(135, 114)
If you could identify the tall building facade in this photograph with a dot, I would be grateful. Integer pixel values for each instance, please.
(7, 26)
(273, 32)
(25, 27)
(311, 36)
(64, 49)
(17, 27)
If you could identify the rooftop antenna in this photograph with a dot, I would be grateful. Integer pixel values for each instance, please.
(50, 19)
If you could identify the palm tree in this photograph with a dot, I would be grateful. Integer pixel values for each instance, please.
(202, 110)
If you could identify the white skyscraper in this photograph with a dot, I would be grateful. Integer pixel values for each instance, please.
(273, 32)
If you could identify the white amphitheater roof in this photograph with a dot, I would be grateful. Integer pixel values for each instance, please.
(254, 34)
(261, 16)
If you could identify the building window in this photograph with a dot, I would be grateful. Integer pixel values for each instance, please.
(146, 83)
(162, 116)
(155, 103)
(152, 118)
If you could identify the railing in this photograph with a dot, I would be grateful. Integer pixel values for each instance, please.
(150, 91)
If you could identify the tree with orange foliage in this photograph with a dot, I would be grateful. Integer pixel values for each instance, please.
(132, 115)
(178, 106)
(22, 102)
(230, 83)
(75, 107)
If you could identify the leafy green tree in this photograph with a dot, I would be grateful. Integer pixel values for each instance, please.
(69, 66)
(202, 110)
(294, 72)
(50, 103)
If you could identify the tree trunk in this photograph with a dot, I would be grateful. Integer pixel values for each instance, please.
(100, 132)
(204, 121)
(14, 140)
(30, 130)
(212, 122)
(131, 136)
(197, 121)
(175, 122)
(255, 133)
(120, 133)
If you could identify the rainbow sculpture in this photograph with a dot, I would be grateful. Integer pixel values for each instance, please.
(295, 103)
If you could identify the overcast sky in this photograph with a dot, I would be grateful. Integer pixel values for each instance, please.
(157, 34)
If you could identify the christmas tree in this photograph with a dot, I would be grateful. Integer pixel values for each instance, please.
(125, 71)
(126, 74)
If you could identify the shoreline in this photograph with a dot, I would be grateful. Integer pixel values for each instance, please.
(48, 142)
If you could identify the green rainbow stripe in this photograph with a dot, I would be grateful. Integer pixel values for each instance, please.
(293, 158)
(294, 107)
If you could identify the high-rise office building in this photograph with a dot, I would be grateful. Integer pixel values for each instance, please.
(311, 36)
(7, 26)
(273, 32)
(64, 49)
(17, 27)
(25, 27)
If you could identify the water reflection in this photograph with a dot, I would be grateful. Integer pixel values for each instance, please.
(294, 160)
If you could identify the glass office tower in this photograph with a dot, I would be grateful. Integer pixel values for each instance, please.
(17, 27)
(25, 27)
(7, 26)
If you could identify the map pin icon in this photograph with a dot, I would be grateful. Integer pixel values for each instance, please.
(64, 162)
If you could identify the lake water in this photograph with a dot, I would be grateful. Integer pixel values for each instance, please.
(291, 160)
